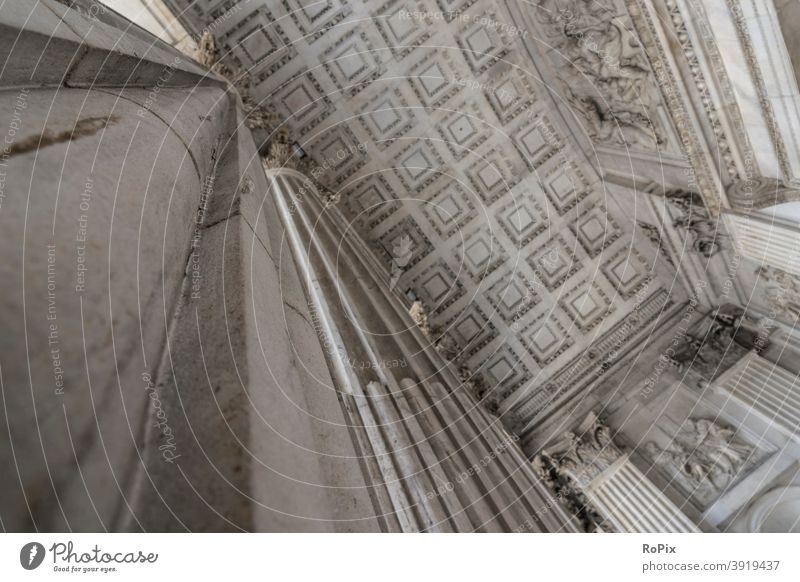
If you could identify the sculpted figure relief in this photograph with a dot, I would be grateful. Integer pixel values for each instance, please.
(611, 90)
(716, 342)
(705, 457)
(782, 292)
(696, 220)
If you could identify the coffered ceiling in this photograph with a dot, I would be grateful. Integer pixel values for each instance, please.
(469, 127)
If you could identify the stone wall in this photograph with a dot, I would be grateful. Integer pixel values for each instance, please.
(148, 319)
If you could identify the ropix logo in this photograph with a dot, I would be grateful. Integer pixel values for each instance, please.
(31, 555)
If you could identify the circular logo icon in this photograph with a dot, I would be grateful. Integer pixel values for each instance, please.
(31, 555)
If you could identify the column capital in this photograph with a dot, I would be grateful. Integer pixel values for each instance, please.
(578, 459)
(586, 453)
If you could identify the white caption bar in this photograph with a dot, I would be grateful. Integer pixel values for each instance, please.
(356, 557)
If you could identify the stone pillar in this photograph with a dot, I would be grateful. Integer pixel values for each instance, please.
(601, 485)
(765, 389)
(146, 363)
(99, 201)
(436, 460)
(633, 503)
(767, 240)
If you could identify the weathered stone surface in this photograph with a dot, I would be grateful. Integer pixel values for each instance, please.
(111, 217)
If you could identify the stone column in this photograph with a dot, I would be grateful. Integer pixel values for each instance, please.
(765, 389)
(435, 459)
(767, 240)
(608, 493)
(634, 504)
(145, 364)
(99, 202)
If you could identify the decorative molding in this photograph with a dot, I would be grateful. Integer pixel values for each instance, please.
(317, 19)
(258, 114)
(282, 153)
(690, 53)
(691, 144)
(655, 235)
(758, 79)
(585, 456)
(589, 366)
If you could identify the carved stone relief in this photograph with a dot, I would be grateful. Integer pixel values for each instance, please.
(258, 114)
(585, 456)
(716, 342)
(704, 458)
(570, 465)
(654, 235)
(695, 221)
(649, 31)
(782, 293)
(575, 500)
(609, 83)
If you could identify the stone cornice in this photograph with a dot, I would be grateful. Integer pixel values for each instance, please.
(651, 35)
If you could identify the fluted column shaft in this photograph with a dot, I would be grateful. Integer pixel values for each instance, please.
(435, 459)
